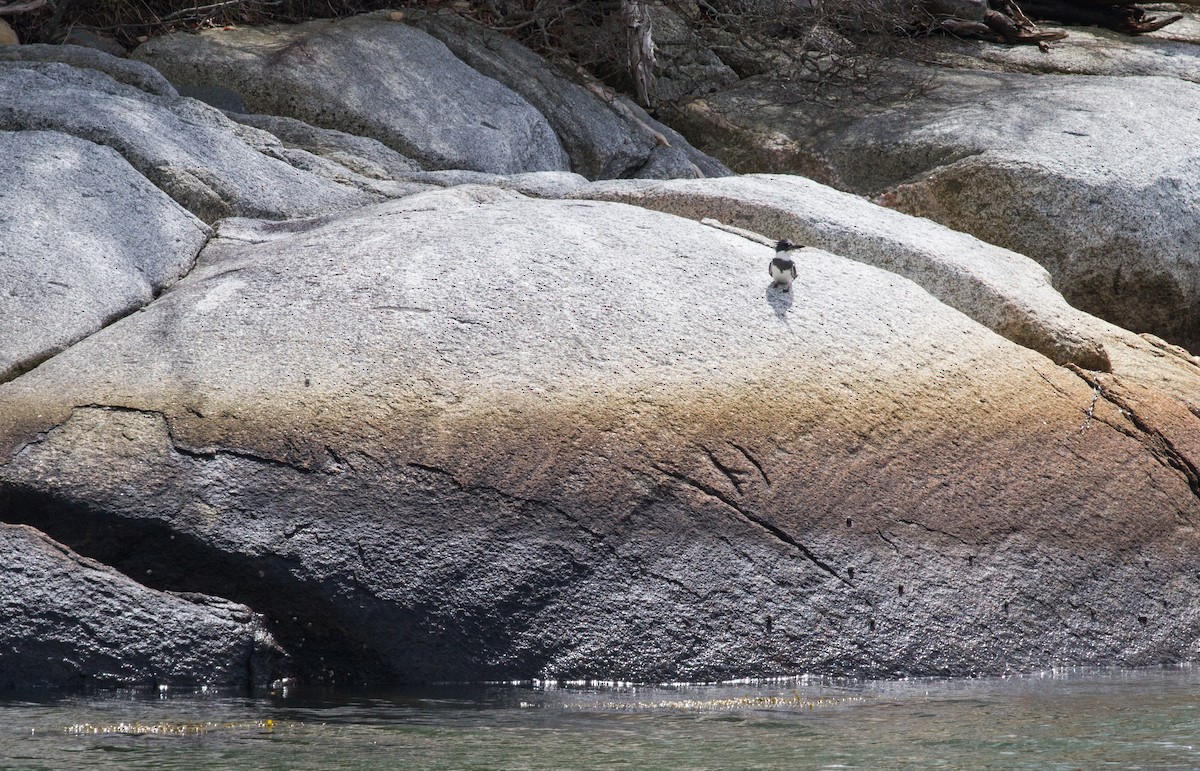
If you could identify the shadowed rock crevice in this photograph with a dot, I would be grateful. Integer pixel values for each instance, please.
(159, 557)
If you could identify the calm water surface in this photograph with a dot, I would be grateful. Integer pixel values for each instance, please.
(1074, 719)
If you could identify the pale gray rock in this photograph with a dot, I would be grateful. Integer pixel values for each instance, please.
(363, 155)
(1007, 292)
(1098, 178)
(86, 239)
(69, 621)
(605, 138)
(373, 77)
(539, 184)
(473, 435)
(344, 159)
(1172, 52)
(190, 150)
(131, 73)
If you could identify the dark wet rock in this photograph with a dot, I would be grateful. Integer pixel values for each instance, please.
(68, 621)
(612, 451)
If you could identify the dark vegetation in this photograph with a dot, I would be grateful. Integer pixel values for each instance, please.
(624, 42)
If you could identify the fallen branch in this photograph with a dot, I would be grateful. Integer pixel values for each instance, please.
(15, 8)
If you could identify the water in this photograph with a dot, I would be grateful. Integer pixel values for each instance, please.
(1072, 719)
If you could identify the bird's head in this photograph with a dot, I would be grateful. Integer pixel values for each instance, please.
(786, 246)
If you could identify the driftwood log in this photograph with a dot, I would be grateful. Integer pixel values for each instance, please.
(1004, 21)
(1120, 15)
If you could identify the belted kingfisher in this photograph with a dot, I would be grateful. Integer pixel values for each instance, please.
(782, 269)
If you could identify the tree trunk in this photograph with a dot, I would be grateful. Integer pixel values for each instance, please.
(640, 49)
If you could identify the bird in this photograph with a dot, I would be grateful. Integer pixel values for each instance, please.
(782, 268)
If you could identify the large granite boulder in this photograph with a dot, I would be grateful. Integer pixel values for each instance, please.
(471, 435)
(209, 164)
(606, 138)
(374, 77)
(86, 239)
(1006, 292)
(66, 620)
(1095, 178)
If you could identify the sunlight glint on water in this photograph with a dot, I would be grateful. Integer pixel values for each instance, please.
(1070, 719)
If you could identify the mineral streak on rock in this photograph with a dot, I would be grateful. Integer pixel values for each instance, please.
(565, 461)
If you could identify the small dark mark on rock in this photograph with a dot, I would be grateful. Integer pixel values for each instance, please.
(850, 572)
(849, 522)
(406, 308)
(1143, 620)
(900, 589)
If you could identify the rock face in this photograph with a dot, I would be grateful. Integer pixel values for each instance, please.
(613, 452)
(86, 239)
(1073, 172)
(373, 77)
(1005, 291)
(189, 150)
(605, 139)
(457, 425)
(69, 621)
(446, 92)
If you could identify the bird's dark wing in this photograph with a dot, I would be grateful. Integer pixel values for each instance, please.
(794, 273)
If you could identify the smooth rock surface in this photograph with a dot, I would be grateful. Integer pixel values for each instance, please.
(605, 138)
(131, 73)
(1005, 291)
(373, 77)
(86, 239)
(1096, 178)
(612, 453)
(188, 149)
(66, 620)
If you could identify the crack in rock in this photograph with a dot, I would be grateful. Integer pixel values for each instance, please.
(1154, 440)
(778, 533)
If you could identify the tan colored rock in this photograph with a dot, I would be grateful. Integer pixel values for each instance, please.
(7, 36)
(472, 435)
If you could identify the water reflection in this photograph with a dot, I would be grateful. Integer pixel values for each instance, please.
(1064, 719)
